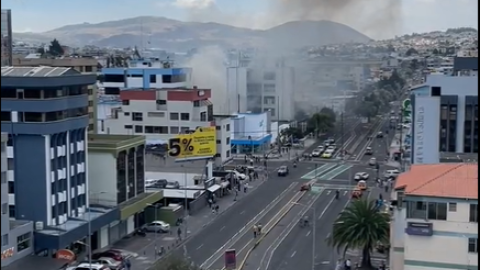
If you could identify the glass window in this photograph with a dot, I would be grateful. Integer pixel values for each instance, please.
(452, 207)
(437, 211)
(4, 208)
(174, 116)
(23, 241)
(185, 116)
(473, 245)
(473, 213)
(4, 240)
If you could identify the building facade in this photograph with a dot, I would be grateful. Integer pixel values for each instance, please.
(86, 65)
(17, 236)
(160, 114)
(119, 161)
(435, 221)
(224, 139)
(444, 118)
(6, 37)
(45, 112)
(115, 79)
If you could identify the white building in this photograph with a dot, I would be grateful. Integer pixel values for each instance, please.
(435, 221)
(444, 118)
(224, 137)
(261, 89)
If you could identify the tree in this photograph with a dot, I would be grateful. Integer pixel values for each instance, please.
(360, 226)
(411, 51)
(320, 123)
(176, 263)
(294, 132)
(41, 50)
(330, 112)
(55, 48)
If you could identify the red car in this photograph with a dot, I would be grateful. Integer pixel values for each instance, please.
(111, 253)
(306, 187)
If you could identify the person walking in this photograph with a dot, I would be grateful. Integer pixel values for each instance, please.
(255, 231)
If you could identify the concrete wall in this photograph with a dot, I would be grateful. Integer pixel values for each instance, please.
(20, 230)
(102, 178)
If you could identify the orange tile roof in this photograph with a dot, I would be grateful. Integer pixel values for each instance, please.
(450, 180)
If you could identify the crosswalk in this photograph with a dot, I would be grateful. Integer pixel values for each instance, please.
(327, 171)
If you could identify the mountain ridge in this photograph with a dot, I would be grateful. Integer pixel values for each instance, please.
(173, 34)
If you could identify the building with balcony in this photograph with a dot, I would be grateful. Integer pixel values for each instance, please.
(86, 65)
(17, 235)
(117, 175)
(45, 113)
(6, 38)
(444, 118)
(160, 114)
(435, 218)
(143, 77)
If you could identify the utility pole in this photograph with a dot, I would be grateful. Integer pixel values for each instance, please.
(342, 138)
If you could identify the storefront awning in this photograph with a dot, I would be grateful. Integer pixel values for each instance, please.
(139, 203)
(214, 188)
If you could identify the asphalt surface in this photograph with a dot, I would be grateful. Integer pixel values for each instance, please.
(296, 249)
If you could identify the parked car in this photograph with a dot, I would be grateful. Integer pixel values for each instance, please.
(90, 266)
(157, 226)
(306, 187)
(391, 173)
(111, 253)
(316, 153)
(361, 176)
(283, 171)
(111, 263)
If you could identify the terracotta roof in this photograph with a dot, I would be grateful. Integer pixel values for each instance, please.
(450, 180)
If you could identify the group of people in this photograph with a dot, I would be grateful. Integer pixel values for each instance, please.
(257, 230)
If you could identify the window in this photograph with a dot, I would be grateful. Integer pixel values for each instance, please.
(185, 116)
(174, 130)
(473, 245)
(437, 211)
(452, 207)
(4, 208)
(4, 240)
(218, 127)
(128, 126)
(138, 129)
(126, 114)
(156, 130)
(33, 117)
(227, 142)
(11, 211)
(228, 153)
(184, 130)
(269, 76)
(155, 114)
(196, 103)
(474, 213)
(32, 94)
(10, 164)
(227, 127)
(4, 177)
(174, 116)
(203, 116)
(125, 102)
(219, 141)
(161, 102)
(153, 78)
(23, 241)
(6, 116)
(137, 116)
(11, 187)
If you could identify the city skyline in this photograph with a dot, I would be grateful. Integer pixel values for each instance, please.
(407, 17)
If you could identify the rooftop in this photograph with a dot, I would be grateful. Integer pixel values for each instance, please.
(35, 71)
(109, 142)
(448, 180)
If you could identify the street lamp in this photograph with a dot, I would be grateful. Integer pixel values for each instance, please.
(156, 231)
(89, 245)
(313, 231)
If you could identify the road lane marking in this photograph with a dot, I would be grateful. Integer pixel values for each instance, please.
(326, 208)
(328, 192)
(243, 212)
(223, 228)
(318, 171)
(293, 254)
(345, 193)
(328, 236)
(336, 172)
(308, 233)
(199, 247)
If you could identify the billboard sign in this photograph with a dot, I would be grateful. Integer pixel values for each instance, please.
(230, 259)
(200, 144)
(425, 121)
(420, 229)
(256, 124)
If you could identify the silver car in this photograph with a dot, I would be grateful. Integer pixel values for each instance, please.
(157, 226)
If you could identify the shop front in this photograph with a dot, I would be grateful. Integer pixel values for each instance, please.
(251, 145)
(19, 244)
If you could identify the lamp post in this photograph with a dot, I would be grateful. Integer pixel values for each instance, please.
(155, 206)
(313, 231)
(185, 211)
(89, 230)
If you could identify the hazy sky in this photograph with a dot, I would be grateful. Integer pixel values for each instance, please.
(43, 15)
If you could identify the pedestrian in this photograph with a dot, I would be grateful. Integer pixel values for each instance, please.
(128, 264)
(251, 161)
(245, 188)
(386, 188)
(217, 208)
(255, 231)
(245, 159)
(210, 202)
(255, 175)
(259, 227)
(179, 233)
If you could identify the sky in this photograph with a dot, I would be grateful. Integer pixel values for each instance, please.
(413, 15)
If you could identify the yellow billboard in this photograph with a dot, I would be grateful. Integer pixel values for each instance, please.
(200, 144)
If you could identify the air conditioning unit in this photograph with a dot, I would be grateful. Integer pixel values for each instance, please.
(39, 225)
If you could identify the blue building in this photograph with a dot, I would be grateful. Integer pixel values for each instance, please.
(45, 113)
(251, 133)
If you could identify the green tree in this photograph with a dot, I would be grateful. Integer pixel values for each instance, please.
(320, 123)
(55, 48)
(330, 112)
(411, 51)
(294, 132)
(176, 263)
(41, 50)
(360, 226)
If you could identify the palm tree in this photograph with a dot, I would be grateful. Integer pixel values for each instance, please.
(360, 226)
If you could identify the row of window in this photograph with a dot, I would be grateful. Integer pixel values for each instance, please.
(437, 211)
(37, 117)
(24, 241)
(227, 141)
(46, 93)
(158, 129)
(227, 127)
(152, 78)
(138, 116)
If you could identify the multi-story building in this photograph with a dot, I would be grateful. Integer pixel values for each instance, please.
(6, 37)
(260, 89)
(444, 118)
(160, 114)
(465, 66)
(85, 65)
(17, 235)
(435, 218)
(117, 175)
(45, 112)
(146, 77)
(224, 137)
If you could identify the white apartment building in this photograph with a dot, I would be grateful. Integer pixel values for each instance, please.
(160, 114)
(435, 221)
(261, 89)
(224, 136)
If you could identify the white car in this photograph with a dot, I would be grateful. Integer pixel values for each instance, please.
(392, 173)
(332, 148)
(157, 226)
(361, 176)
(372, 161)
(111, 263)
(88, 266)
(320, 148)
(237, 174)
(316, 153)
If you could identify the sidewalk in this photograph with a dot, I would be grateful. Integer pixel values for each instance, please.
(285, 154)
(143, 248)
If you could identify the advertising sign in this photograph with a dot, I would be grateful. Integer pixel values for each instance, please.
(7, 253)
(256, 124)
(424, 147)
(65, 254)
(407, 108)
(421, 229)
(201, 144)
(230, 259)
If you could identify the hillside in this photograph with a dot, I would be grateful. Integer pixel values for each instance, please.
(172, 34)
